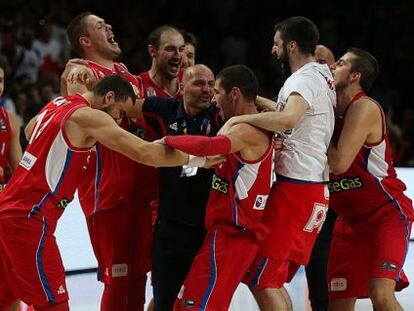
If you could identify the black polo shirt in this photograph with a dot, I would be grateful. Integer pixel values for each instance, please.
(184, 191)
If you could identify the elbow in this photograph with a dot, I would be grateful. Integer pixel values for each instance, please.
(291, 122)
(338, 168)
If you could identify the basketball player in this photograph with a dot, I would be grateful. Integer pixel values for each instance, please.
(60, 139)
(299, 199)
(240, 188)
(115, 203)
(370, 238)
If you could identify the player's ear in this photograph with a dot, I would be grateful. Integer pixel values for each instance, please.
(235, 93)
(109, 98)
(152, 50)
(355, 76)
(84, 41)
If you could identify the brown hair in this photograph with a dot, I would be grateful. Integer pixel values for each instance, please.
(77, 28)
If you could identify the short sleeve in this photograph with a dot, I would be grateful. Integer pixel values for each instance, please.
(303, 85)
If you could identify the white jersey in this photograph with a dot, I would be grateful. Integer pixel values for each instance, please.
(304, 154)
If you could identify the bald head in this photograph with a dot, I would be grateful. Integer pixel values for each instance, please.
(323, 55)
(198, 69)
(198, 81)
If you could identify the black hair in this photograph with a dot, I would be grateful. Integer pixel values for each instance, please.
(77, 28)
(367, 65)
(301, 30)
(239, 76)
(120, 86)
(154, 37)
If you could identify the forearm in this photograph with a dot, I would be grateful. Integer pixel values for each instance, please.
(269, 121)
(338, 163)
(75, 87)
(159, 155)
(200, 145)
(265, 104)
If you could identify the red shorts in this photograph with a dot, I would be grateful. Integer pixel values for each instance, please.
(361, 250)
(294, 215)
(31, 268)
(121, 238)
(217, 270)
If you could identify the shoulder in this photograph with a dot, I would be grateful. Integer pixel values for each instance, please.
(84, 114)
(365, 105)
(247, 132)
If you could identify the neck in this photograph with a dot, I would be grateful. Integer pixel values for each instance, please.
(108, 63)
(299, 61)
(248, 108)
(245, 107)
(192, 111)
(344, 97)
(167, 84)
(92, 100)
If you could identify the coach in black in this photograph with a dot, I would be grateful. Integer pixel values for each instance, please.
(184, 191)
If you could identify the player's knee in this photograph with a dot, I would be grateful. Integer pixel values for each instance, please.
(381, 296)
(270, 299)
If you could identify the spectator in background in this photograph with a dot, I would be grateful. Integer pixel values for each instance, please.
(27, 60)
(49, 49)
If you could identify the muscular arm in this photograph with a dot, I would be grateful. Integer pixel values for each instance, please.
(278, 120)
(265, 104)
(243, 138)
(15, 149)
(362, 123)
(98, 126)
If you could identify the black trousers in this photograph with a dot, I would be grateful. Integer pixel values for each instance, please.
(316, 270)
(174, 248)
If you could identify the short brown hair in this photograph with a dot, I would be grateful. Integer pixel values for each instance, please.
(76, 29)
(367, 65)
(119, 85)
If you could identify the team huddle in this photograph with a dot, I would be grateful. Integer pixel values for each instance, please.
(196, 178)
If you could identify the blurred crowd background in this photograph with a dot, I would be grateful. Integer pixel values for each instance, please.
(33, 44)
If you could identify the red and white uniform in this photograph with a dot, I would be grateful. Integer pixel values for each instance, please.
(113, 181)
(299, 200)
(150, 88)
(5, 136)
(374, 220)
(238, 197)
(37, 194)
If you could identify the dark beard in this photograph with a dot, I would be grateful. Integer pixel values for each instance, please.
(284, 63)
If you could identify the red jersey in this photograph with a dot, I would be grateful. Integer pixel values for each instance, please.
(110, 177)
(5, 136)
(150, 88)
(48, 174)
(240, 189)
(371, 182)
